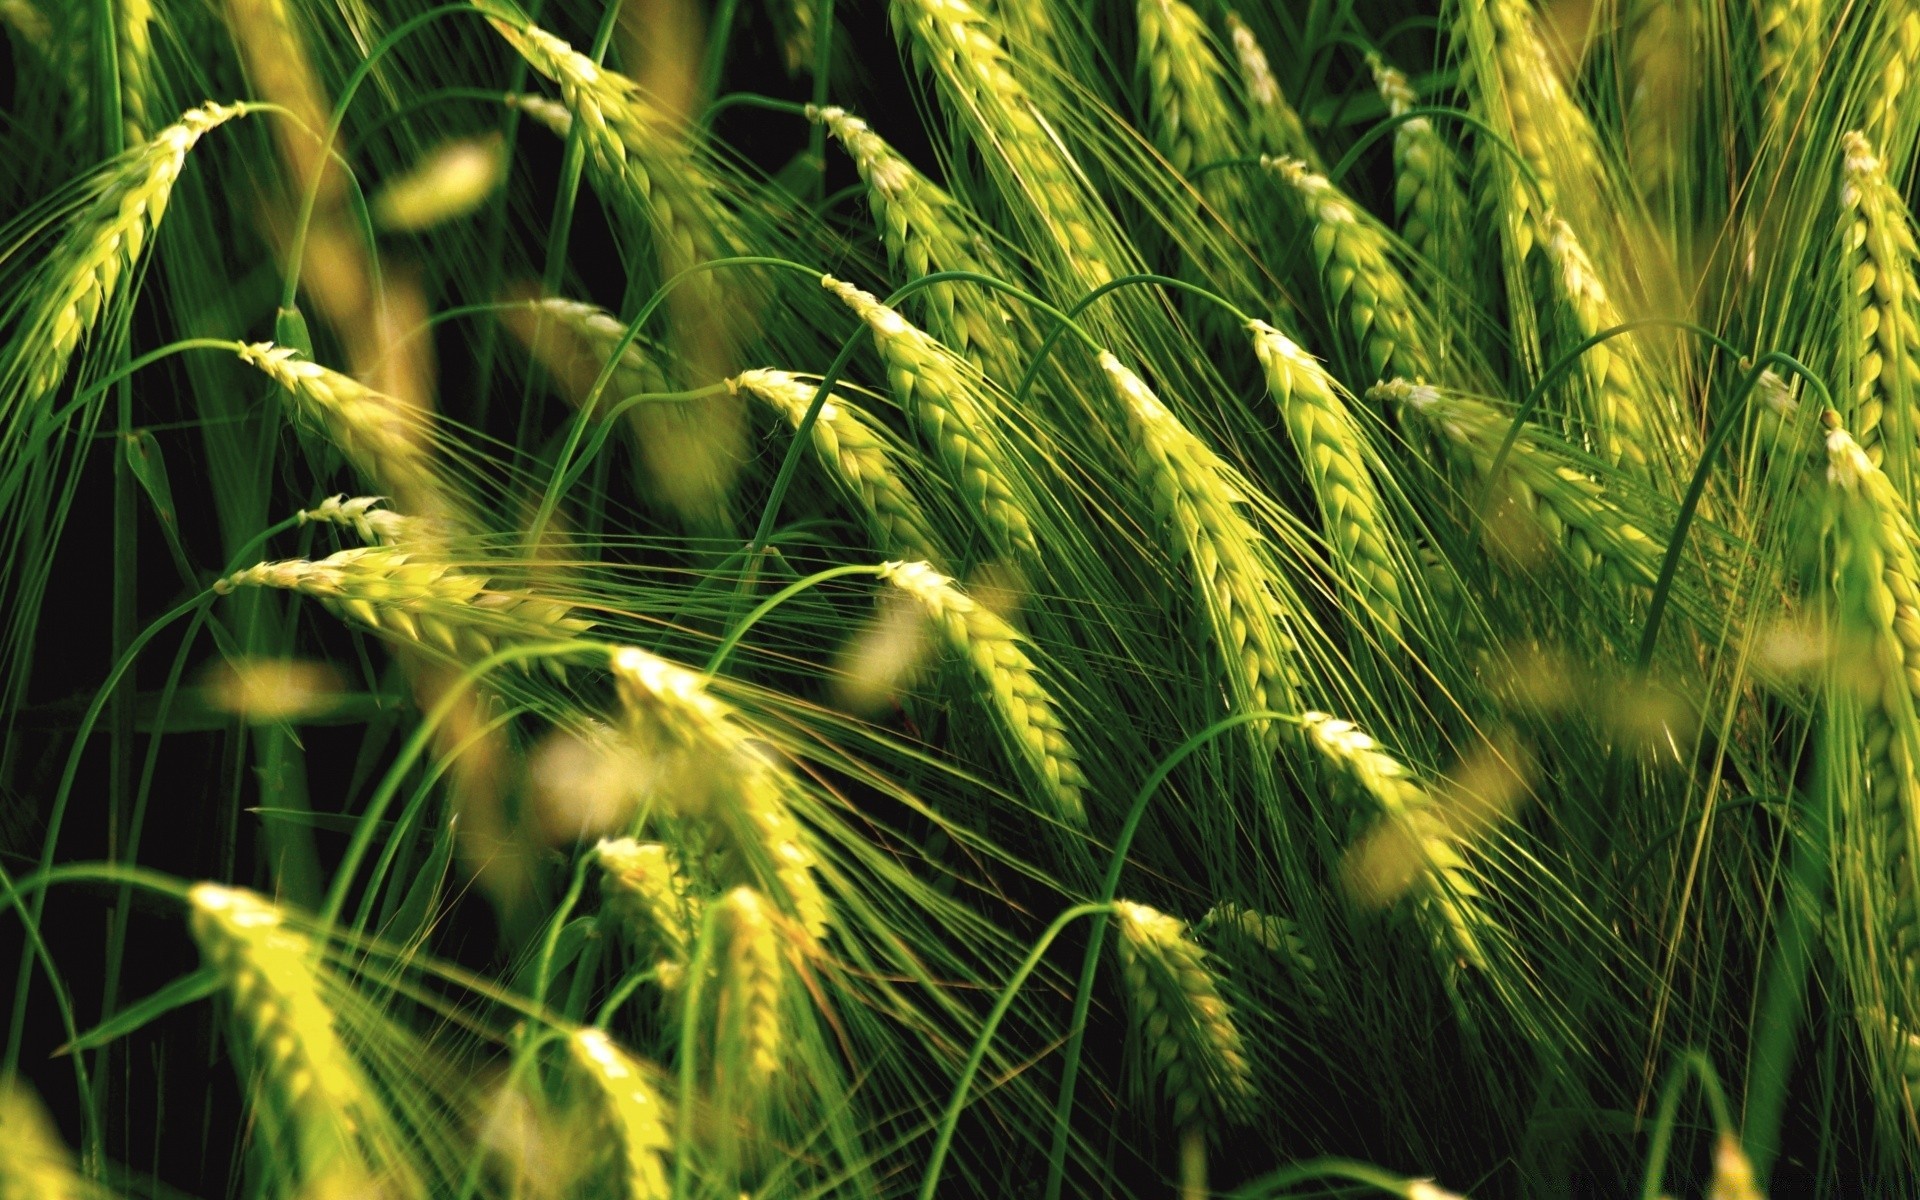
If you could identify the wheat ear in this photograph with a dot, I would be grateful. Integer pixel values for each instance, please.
(749, 1003)
(1275, 935)
(1027, 713)
(1572, 508)
(925, 231)
(418, 599)
(375, 526)
(669, 708)
(631, 1114)
(651, 902)
(1889, 119)
(1187, 93)
(1276, 126)
(34, 1164)
(953, 404)
(90, 266)
(133, 43)
(1362, 285)
(1191, 1041)
(1198, 495)
(1790, 33)
(1425, 857)
(1428, 197)
(853, 449)
(1882, 316)
(324, 1100)
(1331, 445)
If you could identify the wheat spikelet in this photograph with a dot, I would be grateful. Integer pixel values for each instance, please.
(962, 46)
(925, 232)
(1618, 383)
(670, 710)
(34, 1165)
(651, 901)
(1191, 1041)
(107, 243)
(1028, 716)
(852, 448)
(1428, 198)
(1574, 510)
(550, 115)
(951, 402)
(1186, 91)
(418, 599)
(324, 1102)
(381, 526)
(1412, 849)
(1790, 33)
(632, 1116)
(749, 1001)
(1197, 496)
(1277, 936)
(1276, 126)
(385, 439)
(1882, 317)
(1330, 444)
(1357, 274)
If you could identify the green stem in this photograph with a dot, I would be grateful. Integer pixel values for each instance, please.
(1695, 1063)
(775, 601)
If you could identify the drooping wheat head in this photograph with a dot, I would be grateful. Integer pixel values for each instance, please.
(1429, 198)
(1791, 43)
(1276, 936)
(375, 526)
(854, 451)
(1026, 712)
(1891, 112)
(1189, 1037)
(1276, 126)
(1187, 109)
(631, 1114)
(651, 901)
(749, 1001)
(1880, 321)
(133, 43)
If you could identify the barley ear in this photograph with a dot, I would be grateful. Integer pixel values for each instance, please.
(651, 902)
(631, 1114)
(1187, 1031)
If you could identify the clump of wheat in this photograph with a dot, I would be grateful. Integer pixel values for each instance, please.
(631, 1114)
(1275, 935)
(651, 902)
(1192, 1043)
(730, 783)
(34, 1165)
(1186, 91)
(962, 45)
(1026, 711)
(854, 450)
(1276, 126)
(1574, 510)
(106, 245)
(1882, 317)
(418, 599)
(1624, 407)
(1330, 443)
(1428, 198)
(385, 439)
(1198, 496)
(324, 1101)
(925, 232)
(1358, 275)
(1411, 850)
(374, 525)
(954, 405)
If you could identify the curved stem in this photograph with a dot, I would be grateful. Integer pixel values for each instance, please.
(754, 100)
(1065, 320)
(1365, 1174)
(775, 601)
(950, 1119)
(1694, 1063)
(1083, 991)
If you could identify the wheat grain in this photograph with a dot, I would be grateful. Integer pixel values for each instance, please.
(1197, 495)
(1276, 125)
(1191, 1040)
(631, 1113)
(1411, 849)
(853, 449)
(87, 270)
(732, 783)
(1882, 318)
(952, 403)
(651, 902)
(1358, 276)
(418, 599)
(1027, 713)
(1573, 509)
(925, 232)
(1330, 444)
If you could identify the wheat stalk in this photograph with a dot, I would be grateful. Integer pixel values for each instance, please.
(1882, 315)
(953, 404)
(1357, 274)
(418, 599)
(1191, 1040)
(1575, 511)
(1412, 849)
(1197, 495)
(86, 271)
(925, 231)
(1331, 445)
(850, 446)
(1276, 126)
(1027, 713)
(670, 709)
(651, 902)
(631, 1113)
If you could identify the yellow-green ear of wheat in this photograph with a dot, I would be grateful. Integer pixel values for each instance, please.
(1187, 1032)
(1881, 319)
(651, 902)
(631, 1114)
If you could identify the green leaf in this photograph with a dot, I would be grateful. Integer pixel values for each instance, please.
(178, 994)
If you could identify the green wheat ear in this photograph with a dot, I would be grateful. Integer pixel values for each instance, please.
(1190, 1039)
